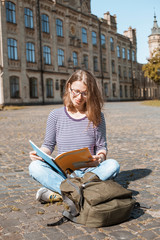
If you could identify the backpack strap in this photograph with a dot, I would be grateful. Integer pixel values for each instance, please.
(69, 216)
(59, 222)
(71, 205)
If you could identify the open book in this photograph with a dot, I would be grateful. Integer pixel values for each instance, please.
(65, 162)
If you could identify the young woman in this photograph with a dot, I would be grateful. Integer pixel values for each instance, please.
(80, 123)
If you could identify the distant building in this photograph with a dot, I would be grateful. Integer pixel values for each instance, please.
(154, 37)
(43, 42)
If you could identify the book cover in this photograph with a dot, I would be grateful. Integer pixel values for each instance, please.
(68, 161)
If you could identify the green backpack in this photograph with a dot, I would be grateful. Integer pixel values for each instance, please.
(95, 203)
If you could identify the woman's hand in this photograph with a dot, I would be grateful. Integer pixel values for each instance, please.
(94, 161)
(33, 156)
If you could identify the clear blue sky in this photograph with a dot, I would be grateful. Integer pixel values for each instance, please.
(138, 14)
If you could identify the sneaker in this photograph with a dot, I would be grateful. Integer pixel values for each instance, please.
(44, 195)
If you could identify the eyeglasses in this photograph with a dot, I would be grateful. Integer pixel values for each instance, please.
(77, 92)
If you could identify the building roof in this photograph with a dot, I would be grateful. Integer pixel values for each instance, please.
(156, 29)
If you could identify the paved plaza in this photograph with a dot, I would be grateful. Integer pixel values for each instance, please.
(133, 133)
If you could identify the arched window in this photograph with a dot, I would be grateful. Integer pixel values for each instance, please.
(94, 38)
(10, 12)
(28, 18)
(30, 52)
(49, 88)
(103, 41)
(60, 57)
(112, 44)
(45, 23)
(47, 55)
(14, 87)
(33, 88)
(75, 59)
(84, 35)
(59, 27)
(12, 49)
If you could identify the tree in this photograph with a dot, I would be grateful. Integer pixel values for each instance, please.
(152, 68)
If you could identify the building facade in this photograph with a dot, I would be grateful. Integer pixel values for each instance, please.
(43, 42)
(154, 37)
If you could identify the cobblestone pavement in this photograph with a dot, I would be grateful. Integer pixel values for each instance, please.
(133, 132)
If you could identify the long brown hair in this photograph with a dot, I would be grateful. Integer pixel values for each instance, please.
(94, 101)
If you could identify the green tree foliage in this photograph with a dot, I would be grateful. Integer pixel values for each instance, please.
(152, 68)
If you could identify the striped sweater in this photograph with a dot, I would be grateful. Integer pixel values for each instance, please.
(70, 134)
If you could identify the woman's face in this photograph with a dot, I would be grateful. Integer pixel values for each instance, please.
(78, 94)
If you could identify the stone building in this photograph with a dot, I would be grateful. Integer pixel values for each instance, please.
(43, 42)
(154, 37)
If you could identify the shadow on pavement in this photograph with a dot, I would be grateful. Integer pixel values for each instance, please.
(125, 177)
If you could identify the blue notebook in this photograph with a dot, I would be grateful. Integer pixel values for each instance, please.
(48, 159)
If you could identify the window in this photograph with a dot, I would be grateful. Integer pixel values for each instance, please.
(12, 49)
(104, 64)
(128, 54)
(130, 73)
(133, 56)
(114, 89)
(124, 72)
(28, 18)
(75, 59)
(103, 41)
(30, 52)
(10, 12)
(106, 89)
(119, 71)
(33, 88)
(45, 23)
(57, 85)
(113, 66)
(14, 87)
(126, 91)
(131, 91)
(47, 55)
(49, 88)
(59, 27)
(84, 35)
(121, 91)
(123, 53)
(94, 38)
(95, 63)
(112, 44)
(85, 59)
(118, 52)
(60, 57)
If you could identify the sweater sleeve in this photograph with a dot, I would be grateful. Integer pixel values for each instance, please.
(50, 135)
(100, 135)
